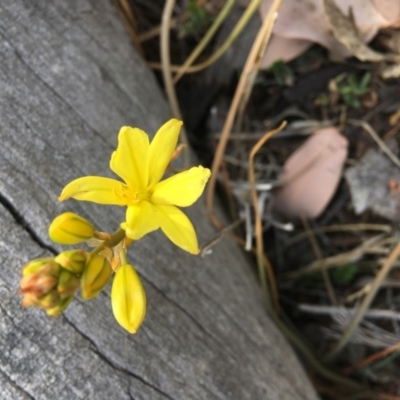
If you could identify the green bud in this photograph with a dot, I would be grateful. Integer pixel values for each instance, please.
(73, 260)
(67, 283)
(49, 300)
(60, 307)
(95, 276)
(70, 228)
(35, 265)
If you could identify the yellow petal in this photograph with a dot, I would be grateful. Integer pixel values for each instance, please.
(140, 220)
(130, 160)
(182, 189)
(94, 188)
(128, 299)
(162, 148)
(177, 227)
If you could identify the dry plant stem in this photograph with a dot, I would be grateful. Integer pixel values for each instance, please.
(269, 21)
(368, 128)
(332, 310)
(372, 358)
(154, 32)
(233, 110)
(208, 246)
(318, 255)
(258, 223)
(205, 40)
(393, 131)
(250, 10)
(342, 228)
(128, 19)
(337, 260)
(166, 71)
(366, 302)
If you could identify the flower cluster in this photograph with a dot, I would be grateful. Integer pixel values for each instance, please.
(152, 203)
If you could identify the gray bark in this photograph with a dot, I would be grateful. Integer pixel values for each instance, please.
(69, 79)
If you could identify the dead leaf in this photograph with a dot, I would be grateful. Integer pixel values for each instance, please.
(391, 40)
(374, 184)
(391, 72)
(346, 33)
(311, 175)
(305, 20)
(283, 49)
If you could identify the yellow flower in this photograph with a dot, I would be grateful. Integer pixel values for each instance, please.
(151, 202)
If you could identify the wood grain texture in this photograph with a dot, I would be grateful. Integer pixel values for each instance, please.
(69, 78)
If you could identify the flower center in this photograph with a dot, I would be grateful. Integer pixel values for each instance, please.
(131, 196)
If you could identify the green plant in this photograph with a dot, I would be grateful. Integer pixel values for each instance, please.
(282, 73)
(197, 18)
(350, 88)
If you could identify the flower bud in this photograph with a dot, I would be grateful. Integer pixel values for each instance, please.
(39, 277)
(70, 228)
(67, 283)
(128, 298)
(95, 276)
(35, 265)
(58, 309)
(73, 260)
(45, 284)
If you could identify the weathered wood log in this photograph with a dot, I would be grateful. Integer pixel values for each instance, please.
(69, 78)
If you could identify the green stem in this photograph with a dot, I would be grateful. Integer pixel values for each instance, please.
(114, 239)
(122, 255)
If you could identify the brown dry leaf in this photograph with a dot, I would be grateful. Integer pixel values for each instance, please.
(305, 20)
(374, 183)
(391, 71)
(345, 31)
(391, 40)
(311, 175)
(288, 49)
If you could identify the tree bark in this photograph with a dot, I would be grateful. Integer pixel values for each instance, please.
(69, 79)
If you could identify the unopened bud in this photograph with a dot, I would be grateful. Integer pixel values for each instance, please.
(39, 277)
(60, 307)
(35, 265)
(45, 284)
(95, 276)
(128, 298)
(49, 300)
(70, 228)
(67, 283)
(73, 260)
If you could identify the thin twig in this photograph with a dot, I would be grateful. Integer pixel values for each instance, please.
(128, 19)
(372, 358)
(205, 40)
(318, 255)
(341, 228)
(366, 302)
(336, 260)
(232, 113)
(154, 32)
(237, 30)
(258, 221)
(331, 310)
(368, 128)
(208, 246)
(166, 71)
